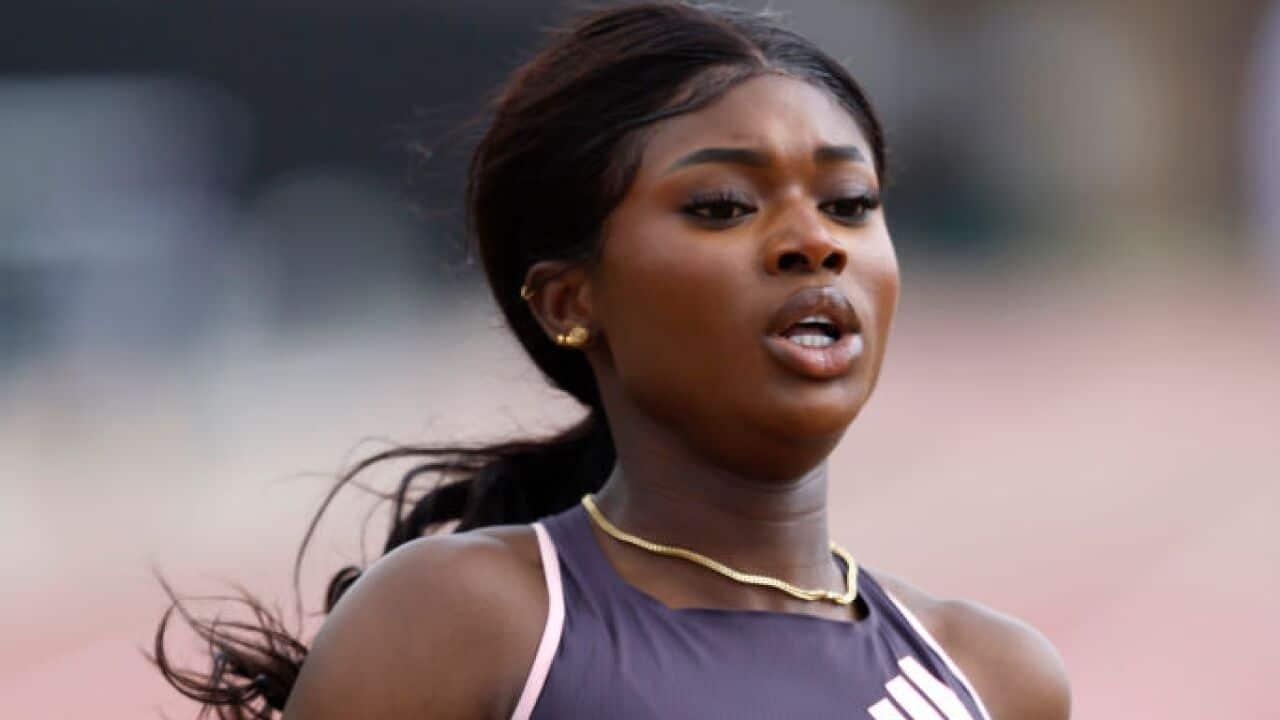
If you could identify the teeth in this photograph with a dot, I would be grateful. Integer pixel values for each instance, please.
(817, 319)
(812, 341)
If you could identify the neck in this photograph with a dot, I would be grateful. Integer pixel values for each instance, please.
(774, 527)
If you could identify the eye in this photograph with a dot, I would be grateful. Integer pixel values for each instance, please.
(852, 210)
(720, 207)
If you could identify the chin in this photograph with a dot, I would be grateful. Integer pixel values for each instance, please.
(819, 414)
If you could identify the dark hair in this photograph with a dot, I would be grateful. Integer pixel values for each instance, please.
(559, 154)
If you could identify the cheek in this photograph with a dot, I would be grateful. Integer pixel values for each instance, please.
(879, 281)
(888, 285)
(885, 282)
(674, 308)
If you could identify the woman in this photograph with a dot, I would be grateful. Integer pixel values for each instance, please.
(679, 214)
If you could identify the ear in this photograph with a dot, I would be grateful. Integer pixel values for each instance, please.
(560, 296)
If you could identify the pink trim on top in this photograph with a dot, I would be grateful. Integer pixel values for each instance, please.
(550, 632)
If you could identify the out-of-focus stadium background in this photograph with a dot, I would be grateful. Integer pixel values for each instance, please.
(222, 273)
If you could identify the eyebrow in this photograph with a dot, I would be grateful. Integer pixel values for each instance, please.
(839, 153)
(755, 158)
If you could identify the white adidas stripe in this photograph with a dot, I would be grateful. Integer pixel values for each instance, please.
(941, 695)
(885, 710)
(911, 701)
(918, 695)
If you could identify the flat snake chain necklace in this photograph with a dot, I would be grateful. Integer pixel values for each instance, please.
(809, 594)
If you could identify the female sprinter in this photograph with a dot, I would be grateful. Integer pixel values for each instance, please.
(678, 210)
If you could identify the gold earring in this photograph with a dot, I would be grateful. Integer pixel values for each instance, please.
(577, 337)
(525, 292)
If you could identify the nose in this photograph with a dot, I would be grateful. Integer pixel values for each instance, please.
(804, 245)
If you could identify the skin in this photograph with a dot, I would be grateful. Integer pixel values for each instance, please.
(721, 448)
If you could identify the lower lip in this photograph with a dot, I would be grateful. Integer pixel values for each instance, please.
(819, 363)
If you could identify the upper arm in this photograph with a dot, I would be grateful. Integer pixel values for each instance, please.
(439, 628)
(1014, 667)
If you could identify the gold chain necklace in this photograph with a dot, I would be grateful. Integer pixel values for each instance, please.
(816, 594)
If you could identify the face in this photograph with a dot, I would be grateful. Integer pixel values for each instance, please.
(745, 219)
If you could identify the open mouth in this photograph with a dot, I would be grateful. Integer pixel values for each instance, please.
(816, 333)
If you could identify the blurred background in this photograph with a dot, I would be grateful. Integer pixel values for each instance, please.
(231, 262)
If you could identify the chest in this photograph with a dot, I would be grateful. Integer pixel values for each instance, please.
(708, 665)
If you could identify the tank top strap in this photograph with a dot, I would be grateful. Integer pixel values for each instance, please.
(906, 625)
(587, 576)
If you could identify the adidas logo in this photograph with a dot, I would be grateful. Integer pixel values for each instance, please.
(918, 695)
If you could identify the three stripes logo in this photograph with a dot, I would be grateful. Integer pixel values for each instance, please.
(918, 695)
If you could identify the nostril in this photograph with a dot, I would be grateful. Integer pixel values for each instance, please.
(790, 260)
(834, 261)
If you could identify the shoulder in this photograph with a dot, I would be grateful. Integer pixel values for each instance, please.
(1013, 666)
(448, 568)
(448, 623)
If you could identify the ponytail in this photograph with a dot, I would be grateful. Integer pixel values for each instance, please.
(253, 665)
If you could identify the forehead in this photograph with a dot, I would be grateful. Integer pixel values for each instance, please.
(777, 114)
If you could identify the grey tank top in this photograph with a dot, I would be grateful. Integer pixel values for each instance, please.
(609, 650)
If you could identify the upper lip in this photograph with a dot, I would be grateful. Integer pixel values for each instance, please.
(826, 300)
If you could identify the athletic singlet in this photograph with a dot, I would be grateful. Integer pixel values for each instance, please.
(609, 650)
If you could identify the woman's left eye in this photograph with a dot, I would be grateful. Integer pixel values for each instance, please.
(851, 209)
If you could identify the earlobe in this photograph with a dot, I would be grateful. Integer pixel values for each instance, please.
(577, 338)
(559, 296)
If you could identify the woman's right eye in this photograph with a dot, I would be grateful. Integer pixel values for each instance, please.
(719, 208)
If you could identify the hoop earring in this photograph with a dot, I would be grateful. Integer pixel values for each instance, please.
(576, 338)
